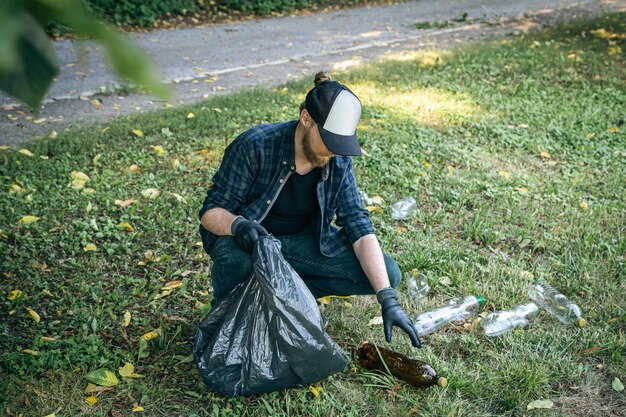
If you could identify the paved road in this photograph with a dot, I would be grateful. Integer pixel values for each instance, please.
(268, 52)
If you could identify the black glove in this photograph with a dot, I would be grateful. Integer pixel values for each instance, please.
(246, 233)
(394, 315)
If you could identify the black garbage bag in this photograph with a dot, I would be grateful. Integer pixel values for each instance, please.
(267, 334)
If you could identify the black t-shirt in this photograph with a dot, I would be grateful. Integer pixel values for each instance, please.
(296, 206)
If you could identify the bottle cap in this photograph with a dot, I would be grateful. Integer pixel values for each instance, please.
(480, 299)
(581, 322)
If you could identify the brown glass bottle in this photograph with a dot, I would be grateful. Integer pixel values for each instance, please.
(412, 371)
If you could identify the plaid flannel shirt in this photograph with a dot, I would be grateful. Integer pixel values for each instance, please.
(253, 171)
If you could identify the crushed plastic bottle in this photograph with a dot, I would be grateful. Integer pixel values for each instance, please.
(457, 309)
(412, 371)
(365, 199)
(417, 285)
(556, 304)
(500, 322)
(403, 208)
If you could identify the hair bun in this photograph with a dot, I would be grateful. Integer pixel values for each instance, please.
(322, 76)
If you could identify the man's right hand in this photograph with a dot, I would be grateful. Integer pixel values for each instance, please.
(246, 233)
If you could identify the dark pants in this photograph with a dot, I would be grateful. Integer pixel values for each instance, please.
(339, 275)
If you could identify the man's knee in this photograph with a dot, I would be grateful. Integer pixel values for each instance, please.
(231, 265)
(393, 271)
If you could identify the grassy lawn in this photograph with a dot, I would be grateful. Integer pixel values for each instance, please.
(514, 149)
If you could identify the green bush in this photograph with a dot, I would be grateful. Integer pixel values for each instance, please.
(144, 14)
(140, 12)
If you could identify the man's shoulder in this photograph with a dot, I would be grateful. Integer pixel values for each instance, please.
(342, 162)
(260, 133)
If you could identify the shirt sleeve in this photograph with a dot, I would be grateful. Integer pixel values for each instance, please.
(351, 215)
(233, 179)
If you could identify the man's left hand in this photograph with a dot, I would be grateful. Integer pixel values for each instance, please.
(394, 315)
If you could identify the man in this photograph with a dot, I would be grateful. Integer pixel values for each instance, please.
(292, 179)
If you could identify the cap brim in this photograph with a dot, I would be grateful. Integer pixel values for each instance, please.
(339, 144)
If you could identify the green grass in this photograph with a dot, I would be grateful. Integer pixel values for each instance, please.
(461, 130)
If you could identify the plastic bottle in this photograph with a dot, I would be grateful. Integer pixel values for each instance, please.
(366, 200)
(412, 371)
(556, 304)
(500, 322)
(403, 208)
(417, 285)
(457, 309)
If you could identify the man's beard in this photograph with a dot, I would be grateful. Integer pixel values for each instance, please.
(316, 160)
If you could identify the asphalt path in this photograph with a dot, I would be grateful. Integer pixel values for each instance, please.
(209, 60)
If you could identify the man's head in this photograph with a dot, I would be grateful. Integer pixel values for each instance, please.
(336, 111)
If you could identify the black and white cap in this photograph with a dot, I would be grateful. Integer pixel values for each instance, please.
(336, 110)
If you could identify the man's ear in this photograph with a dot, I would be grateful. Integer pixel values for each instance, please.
(305, 117)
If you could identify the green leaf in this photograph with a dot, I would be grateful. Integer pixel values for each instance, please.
(30, 66)
(617, 385)
(103, 377)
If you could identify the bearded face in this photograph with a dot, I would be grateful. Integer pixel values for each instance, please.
(315, 159)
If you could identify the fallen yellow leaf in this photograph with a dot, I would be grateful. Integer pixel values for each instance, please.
(613, 129)
(152, 335)
(26, 152)
(178, 197)
(133, 169)
(137, 409)
(3, 235)
(127, 317)
(545, 155)
(126, 226)
(124, 203)
(16, 188)
(159, 150)
(88, 208)
(33, 315)
(47, 339)
(31, 352)
(138, 133)
(102, 377)
(77, 175)
(96, 159)
(127, 369)
(96, 103)
(377, 200)
(172, 284)
(163, 294)
(28, 219)
(77, 184)
(175, 163)
(15, 294)
(190, 116)
(324, 300)
(522, 190)
(347, 304)
(315, 390)
(451, 170)
(151, 193)
(91, 399)
(504, 174)
(583, 205)
(90, 247)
